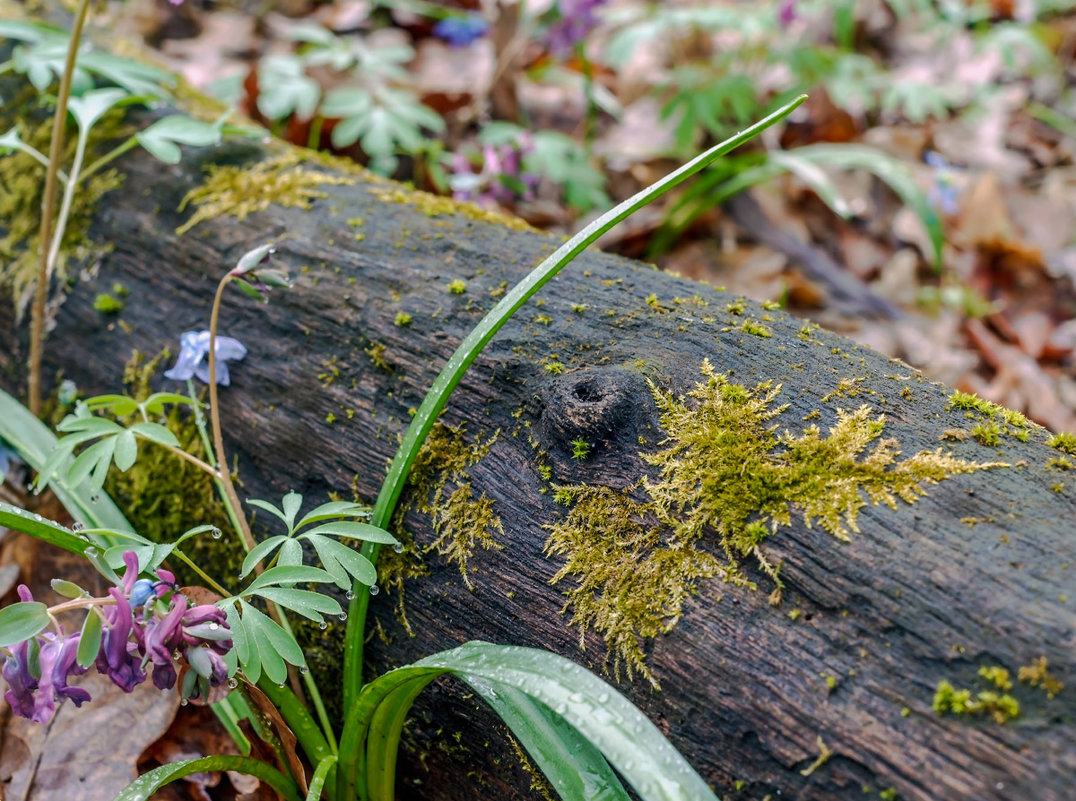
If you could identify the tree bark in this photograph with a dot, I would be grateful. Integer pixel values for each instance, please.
(975, 574)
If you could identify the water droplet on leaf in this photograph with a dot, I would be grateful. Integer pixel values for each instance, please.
(215, 533)
(374, 589)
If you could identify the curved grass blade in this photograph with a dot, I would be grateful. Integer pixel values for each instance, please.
(472, 346)
(148, 783)
(558, 692)
(34, 442)
(321, 773)
(41, 528)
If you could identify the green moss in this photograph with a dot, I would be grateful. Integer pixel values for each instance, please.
(736, 307)
(22, 182)
(376, 352)
(457, 287)
(1064, 442)
(994, 420)
(996, 675)
(948, 700)
(580, 449)
(554, 367)
(1037, 675)
(726, 481)
(437, 206)
(241, 191)
(440, 486)
(106, 304)
(987, 433)
(756, 329)
(402, 319)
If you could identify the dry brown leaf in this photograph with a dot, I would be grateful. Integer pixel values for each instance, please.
(86, 753)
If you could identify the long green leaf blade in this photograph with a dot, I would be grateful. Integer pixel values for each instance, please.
(34, 443)
(148, 783)
(472, 346)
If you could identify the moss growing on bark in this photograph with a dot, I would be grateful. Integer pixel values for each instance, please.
(22, 181)
(726, 480)
(241, 191)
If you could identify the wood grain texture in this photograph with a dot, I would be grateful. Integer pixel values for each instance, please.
(917, 597)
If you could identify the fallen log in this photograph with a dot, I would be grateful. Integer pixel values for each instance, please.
(653, 477)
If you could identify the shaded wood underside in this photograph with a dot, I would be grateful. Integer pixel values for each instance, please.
(917, 597)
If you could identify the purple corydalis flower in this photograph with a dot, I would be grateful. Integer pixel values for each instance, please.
(57, 661)
(35, 697)
(194, 357)
(460, 31)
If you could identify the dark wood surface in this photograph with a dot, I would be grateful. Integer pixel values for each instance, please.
(917, 597)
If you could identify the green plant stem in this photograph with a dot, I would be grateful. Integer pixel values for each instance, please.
(48, 210)
(199, 423)
(468, 351)
(243, 529)
(110, 156)
(201, 573)
(68, 198)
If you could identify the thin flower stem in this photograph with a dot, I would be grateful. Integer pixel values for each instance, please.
(201, 574)
(111, 155)
(65, 205)
(214, 420)
(194, 460)
(48, 210)
(199, 422)
(81, 603)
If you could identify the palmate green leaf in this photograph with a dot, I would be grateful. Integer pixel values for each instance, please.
(344, 564)
(88, 424)
(34, 443)
(268, 507)
(243, 648)
(92, 106)
(154, 404)
(22, 620)
(142, 788)
(311, 605)
(274, 645)
(287, 574)
(93, 462)
(119, 405)
(355, 531)
(290, 554)
(126, 451)
(260, 552)
(155, 432)
(89, 642)
(333, 509)
(163, 137)
(617, 729)
(291, 504)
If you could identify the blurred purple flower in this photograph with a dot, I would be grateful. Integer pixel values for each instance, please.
(462, 30)
(501, 179)
(577, 19)
(35, 696)
(194, 357)
(786, 12)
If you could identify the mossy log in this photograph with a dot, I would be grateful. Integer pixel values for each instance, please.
(827, 692)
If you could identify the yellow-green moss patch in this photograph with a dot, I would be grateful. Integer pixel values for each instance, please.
(241, 191)
(442, 484)
(994, 420)
(726, 480)
(436, 206)
(22, 181)
(948, 700)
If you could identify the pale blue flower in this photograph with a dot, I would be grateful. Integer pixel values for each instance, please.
(8, 458)
(194, 357)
